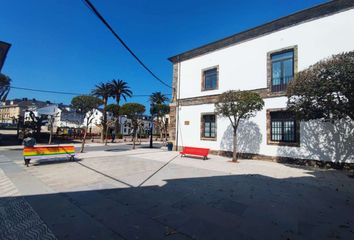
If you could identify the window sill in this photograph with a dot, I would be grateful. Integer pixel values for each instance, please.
(207, 139)
(288, 144)
(206, 90)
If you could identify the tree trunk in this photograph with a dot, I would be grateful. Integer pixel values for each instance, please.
(103, 132)
(234, 154)
(104, 122)
(106, 135)
(117, 127)
(50, 133)
(18, 128)
(165, 130)
(83, 140)
(134, 136)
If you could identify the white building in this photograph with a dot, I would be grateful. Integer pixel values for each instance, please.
(63, 115)
(95, 125)
(263, 59)
(126, 127)
(125, 124)
(158, 125)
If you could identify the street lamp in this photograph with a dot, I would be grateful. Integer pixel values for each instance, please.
(151, 124)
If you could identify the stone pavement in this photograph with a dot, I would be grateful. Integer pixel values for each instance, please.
(137, 195)
(18, 220)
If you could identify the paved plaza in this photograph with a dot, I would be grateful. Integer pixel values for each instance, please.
(119, 193)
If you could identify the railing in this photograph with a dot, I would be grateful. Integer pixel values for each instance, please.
(283, 83)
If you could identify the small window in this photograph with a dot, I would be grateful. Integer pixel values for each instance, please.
(282, 70)
(283, 127)
(210, 79)
(208, 126)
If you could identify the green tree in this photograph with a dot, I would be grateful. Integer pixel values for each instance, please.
(86, 104)
(51, 120)
(134, 112)
(103, 91)
(158, 98)
(5, 82)
(114, 109)
(159, 109)
(36, 123)
(325, 90)
(237, 106)
(119, 89)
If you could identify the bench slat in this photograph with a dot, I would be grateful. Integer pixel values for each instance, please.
(47, 152)
(195, 151)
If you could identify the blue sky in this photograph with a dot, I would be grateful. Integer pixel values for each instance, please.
(60, 45)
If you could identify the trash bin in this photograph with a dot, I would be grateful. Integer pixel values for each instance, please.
(169, 146)
(29, 142)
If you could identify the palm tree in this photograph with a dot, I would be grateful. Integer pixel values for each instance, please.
(119, 89)
(159, 108)
(158, 98)
(4, 86)
(103, 91)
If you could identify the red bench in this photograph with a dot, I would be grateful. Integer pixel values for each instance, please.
(195, 151)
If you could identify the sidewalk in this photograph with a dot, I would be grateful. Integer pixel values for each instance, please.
(18, 220)
(156, 194)
(77, 145)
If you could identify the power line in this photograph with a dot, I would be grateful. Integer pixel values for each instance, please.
(46, 91)
(94, 10)
(67, 93)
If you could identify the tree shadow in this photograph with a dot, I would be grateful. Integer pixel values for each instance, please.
(324, 141)
(249, 138)
(216, 207)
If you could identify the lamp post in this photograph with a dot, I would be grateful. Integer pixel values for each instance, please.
(151, 124)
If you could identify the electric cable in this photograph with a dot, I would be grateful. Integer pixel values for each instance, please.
(97, 14)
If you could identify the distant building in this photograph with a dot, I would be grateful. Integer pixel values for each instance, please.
(11, 110)
(64, 116)
(157, 129)
(96, 123)
(126, 127)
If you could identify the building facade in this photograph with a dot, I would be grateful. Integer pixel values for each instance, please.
(126, 126)
(12, 110)
(63, 116)
(263, 59)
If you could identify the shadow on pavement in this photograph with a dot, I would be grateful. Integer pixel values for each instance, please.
(42, 162)
(219, 207)
(116, 150)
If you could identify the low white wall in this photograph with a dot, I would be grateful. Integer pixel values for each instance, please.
(318, 141)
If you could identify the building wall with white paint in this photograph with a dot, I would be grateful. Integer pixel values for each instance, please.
(243, 66)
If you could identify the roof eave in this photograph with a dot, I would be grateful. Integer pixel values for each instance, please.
(317, 11)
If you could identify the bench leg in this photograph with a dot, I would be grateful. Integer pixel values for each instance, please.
(27, 162)
(72, 158)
